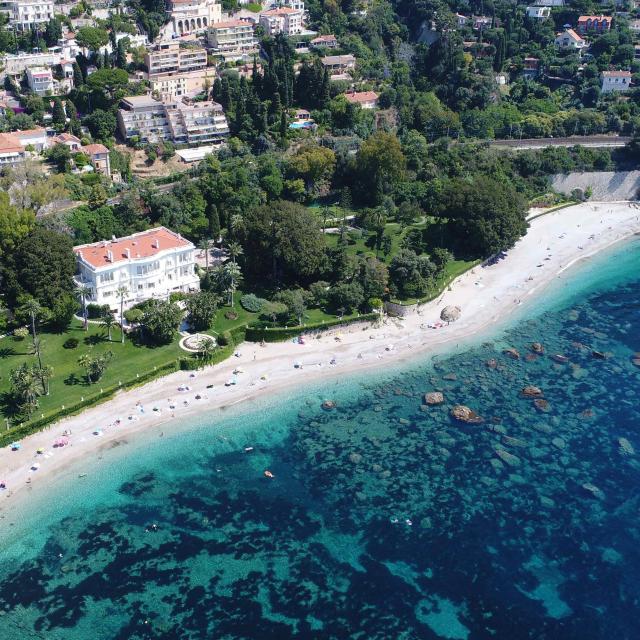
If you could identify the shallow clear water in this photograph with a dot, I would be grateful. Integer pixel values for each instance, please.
(386, 518)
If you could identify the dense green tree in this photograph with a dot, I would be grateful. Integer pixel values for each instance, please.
(485, 216)
(92, 38)
(42, 266)
(284, 243)
(102, 124)
(380, 165)
(161, 320)
(201, 310)
(344, 297)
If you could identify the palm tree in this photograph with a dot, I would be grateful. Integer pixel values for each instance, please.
(206, 348)
(237, 224)
(122, 292)
(24, 387)
(108, 321)
(44, 375)
(84, 292)
(234, 275)
(33, 308)
(234, 250)
(204, 245)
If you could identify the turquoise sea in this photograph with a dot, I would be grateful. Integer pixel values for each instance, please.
(386, 518)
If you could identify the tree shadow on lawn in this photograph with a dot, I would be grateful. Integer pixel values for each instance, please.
(6, 352)
(73, 379)
(96, 338)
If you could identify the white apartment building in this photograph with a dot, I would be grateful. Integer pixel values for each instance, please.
(16, 64)
(178, 121)
(23, 14)
(192, 16)
(150, 264)
(40, 80)
(232, 39)
(190, 83)
(170, 57)
(284, 20)
(615, 81)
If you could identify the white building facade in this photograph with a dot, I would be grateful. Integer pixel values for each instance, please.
(149, 264)
(24, 14)
(287, 21)
(616, 81)
(193, 16)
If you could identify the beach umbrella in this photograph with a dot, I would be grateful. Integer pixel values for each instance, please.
(15, 446)
(35, 466)
(297, 364)
(450, 313)
(40, 450)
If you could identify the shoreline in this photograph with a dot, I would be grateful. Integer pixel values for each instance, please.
(489, 297)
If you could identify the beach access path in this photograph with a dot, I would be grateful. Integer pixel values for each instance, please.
(487, 296)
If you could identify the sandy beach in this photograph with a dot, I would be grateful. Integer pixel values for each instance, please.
(487, 295)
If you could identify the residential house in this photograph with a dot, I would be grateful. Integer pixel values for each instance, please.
(68, 140)
(324, 42)
(193, 16)
(549, 3)
(40, 81)
(634, 26)
(232, 39)
(366, 99)
(636, 52)
(284, 20)
(593, 24)
(149, 264)
(11, 151)
(461, 20)
(539, 13)
(570, 40)
(24, 15)
(480, 23)
(615, 81)
(339, 67)
(36, 139)
(98, 156)
(531, 67)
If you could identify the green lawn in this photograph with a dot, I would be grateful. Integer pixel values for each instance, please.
(68, 384)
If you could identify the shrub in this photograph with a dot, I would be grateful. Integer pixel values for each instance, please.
(20, 333)
(71, 343)
(231, 315)
(176, 296)
(224, 339)
(252, 303)
(133, 316)
(95, 311)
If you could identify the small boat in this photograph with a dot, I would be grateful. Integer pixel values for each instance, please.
(248, 449)
(268, 474)
(599, 355)
(560, 358)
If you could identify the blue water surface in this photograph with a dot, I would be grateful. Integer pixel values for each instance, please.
(386, 518)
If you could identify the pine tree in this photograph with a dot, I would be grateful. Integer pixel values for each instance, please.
(59, 116)
(121, 54)
(78, 79)
(284, 126)
(214, 222)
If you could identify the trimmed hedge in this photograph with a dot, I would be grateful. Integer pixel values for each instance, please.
(258, 333)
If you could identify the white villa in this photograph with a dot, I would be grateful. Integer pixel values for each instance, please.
(150, 264)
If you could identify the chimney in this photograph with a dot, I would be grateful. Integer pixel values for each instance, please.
(127, 252)
(156, 243)
(109, 256)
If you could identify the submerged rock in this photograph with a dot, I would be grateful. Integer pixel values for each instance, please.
(593, 490)
(541, 404)
(513, 442)
(635, 359)
(512, 353)
(531, 391)
(626, 448)
(450, 376)
(492, 363)
(558, 443)
(536, 347)
(434, 398)
(464, 414)
(328, 405)
(508, 458)
(356, 458)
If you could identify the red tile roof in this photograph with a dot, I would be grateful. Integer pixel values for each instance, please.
(9, 143)
(92, 149)
(362, 96)
(140, 245)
